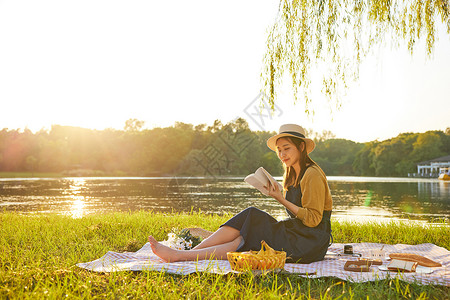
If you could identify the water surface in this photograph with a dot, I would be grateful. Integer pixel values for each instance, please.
(354, 198)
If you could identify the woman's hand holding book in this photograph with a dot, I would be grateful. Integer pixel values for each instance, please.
(275, 192)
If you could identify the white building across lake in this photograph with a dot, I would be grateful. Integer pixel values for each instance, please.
(434, 167)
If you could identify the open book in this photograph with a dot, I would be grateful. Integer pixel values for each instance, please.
(402, 265)
(262, 178)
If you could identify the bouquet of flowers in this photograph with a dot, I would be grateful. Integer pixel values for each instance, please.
(182, 240)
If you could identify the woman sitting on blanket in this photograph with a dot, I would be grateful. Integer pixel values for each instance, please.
(305, 235)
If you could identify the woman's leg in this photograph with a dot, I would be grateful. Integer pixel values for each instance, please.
(214, 252)
(221, 236)
(228, 231)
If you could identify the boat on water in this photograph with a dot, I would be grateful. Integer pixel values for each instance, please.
(445, 174)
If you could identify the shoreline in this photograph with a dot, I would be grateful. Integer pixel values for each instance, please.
(343, 230)
(342, 219)
(55, 175)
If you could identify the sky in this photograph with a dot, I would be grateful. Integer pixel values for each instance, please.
(96, 64)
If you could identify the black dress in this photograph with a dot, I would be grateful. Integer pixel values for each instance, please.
(302, 244)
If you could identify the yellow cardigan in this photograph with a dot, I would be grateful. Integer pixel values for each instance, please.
(316, 196)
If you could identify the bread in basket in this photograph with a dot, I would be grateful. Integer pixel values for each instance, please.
(264, 259)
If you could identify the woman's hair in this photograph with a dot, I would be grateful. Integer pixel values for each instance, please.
(289, 177)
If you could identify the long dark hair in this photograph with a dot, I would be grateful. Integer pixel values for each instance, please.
(290, 177)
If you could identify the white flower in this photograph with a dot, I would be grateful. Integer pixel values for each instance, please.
(180, 243)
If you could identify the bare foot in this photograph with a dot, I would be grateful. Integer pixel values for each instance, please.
(165, 253)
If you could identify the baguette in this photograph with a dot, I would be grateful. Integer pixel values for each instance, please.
(421, 260)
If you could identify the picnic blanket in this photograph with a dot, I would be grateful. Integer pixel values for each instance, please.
(145, 259)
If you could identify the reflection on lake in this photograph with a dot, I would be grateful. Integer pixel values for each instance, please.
(356, 198)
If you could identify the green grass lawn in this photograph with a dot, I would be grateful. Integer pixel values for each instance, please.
(38, 254)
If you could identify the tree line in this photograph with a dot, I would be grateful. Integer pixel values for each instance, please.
(203, 150)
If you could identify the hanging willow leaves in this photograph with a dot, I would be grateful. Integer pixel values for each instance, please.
(334, 37)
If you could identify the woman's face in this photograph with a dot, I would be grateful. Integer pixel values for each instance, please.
(287, 152)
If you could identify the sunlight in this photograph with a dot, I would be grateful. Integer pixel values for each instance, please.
(76, 209)
(365, 214)
(76, 186)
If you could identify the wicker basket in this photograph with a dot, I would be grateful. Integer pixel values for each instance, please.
(265, 259)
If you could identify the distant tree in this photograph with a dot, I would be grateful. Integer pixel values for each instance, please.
(336, 36)
(217, 125)
(200, 127)
(427, 146)
(446, 142)
(240, 124)
(404, 167)
(398, 156)
(363, 163)
(31, 162)
(387, 155)
(15, 147)
(54, 155)
(272, 164)
(133, 125)
(336, 156)
(320, 137)
(184, 126)
(230, 149)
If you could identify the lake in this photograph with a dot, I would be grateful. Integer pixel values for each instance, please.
(354, 198)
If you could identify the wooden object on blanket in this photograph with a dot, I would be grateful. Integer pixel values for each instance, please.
(361, 265)
(264, 259)
(357, 266)
(197, 231)
(376, 262)
(421, 260)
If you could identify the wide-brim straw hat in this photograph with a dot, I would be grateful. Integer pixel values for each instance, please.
(291, 130)
(200, 232)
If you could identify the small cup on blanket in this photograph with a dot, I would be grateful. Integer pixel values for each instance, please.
(375, 254)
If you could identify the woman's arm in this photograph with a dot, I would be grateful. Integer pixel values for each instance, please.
(278, 195)
(313, 186)
(313, 198)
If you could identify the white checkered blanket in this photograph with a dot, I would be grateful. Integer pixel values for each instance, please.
(145, 259)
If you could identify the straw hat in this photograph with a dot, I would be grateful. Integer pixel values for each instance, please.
(291, 130)
(200, 232)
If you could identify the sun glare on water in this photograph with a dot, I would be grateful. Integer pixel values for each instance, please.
(78, 201)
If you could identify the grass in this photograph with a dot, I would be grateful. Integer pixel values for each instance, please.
(38, 254)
